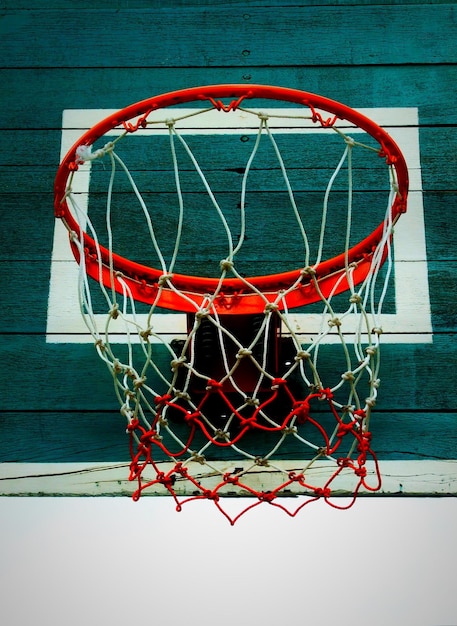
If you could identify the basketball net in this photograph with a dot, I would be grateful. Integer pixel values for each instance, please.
(229, 384)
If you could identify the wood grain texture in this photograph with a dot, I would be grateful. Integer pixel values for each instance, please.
(164, 37)
(72, 377)
(429, 88)
(59, 406)
(85, 436)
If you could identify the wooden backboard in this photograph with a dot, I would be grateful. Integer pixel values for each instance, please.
(60, 423)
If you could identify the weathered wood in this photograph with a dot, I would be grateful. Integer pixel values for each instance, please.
(29, 217)
(231, 36)
(73, 378)
(32, 165)
(411, 478)
(59, 406)
(116, 87)
(100, 436)
(149, 4)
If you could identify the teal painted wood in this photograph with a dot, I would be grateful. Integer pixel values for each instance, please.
(231, 36)
(25, 285)
(178, 4)
(99, 436)
(431, 89)
(72, 377)
(62, 437)
(59, 402)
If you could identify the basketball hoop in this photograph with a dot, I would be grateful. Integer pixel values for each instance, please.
(240, 378)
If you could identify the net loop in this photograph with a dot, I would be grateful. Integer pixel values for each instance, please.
(220, 106)
(322, 492)
(302, 411)
(317, 116)
(140, 123)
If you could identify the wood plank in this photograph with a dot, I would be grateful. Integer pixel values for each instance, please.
(87, 436)
(23, 169)
(399, 478)
(430, 88)
(9, 5)
(230, 36)
(29, 224)
(71, 377)
(25, 309)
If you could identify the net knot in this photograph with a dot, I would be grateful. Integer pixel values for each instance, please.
(114, 311)
(360, 414)
(370, 402)
(377, 331)
(231, 478)
(213, 385)
(210, 495)
(355, 298)
(191, 418)
(344, 429)
(348, 376)
(261, 462)
(322, 492)
(149, 436)
(308, 271)
(181, 470)
(165, 479)
(183, 395)
(335, 321)
(325, 394)
(226, 265)
(177, 363)
(198, 458)
(278, 382)
(371, 350)
(242, 352)
(223, 435)
(145, 334)
(163, 399)
(100, 344)
(301, 410)
(164, 279)
(270, 307)
(267, 496)
(139, 382)
(134, 423)
(349, 141)
(302, 355)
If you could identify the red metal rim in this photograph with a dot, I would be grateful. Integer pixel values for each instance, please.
(235, 298)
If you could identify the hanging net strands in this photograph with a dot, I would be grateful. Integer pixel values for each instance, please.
(205, 234)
